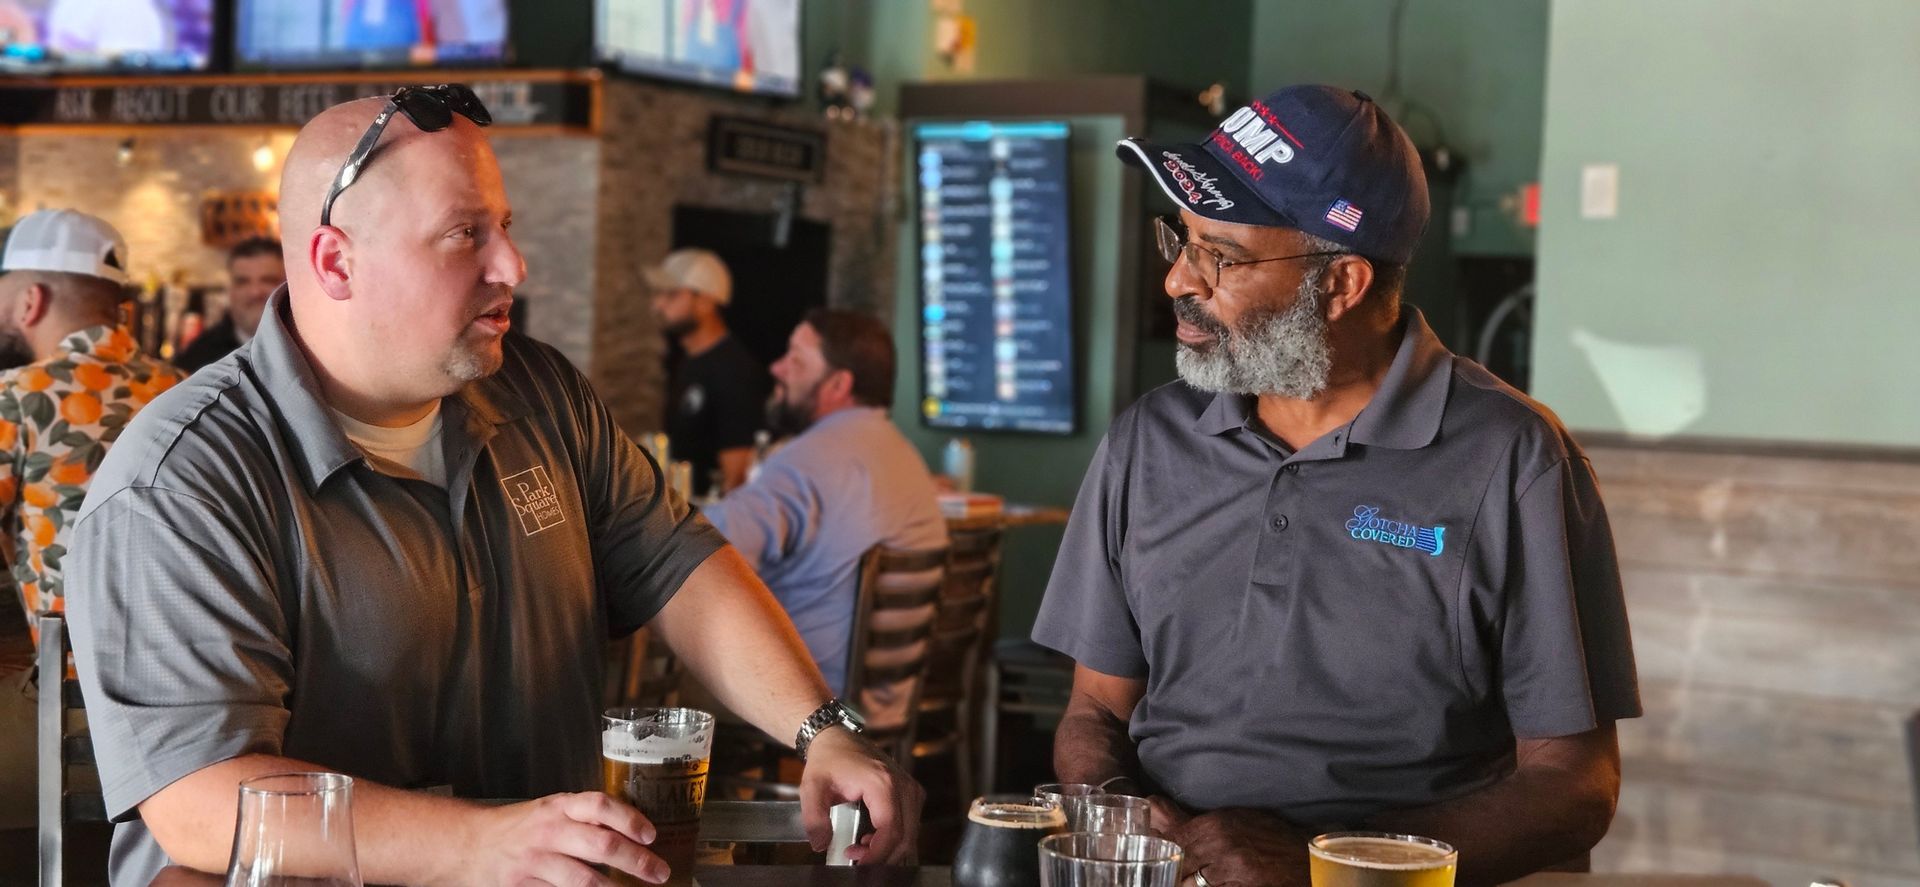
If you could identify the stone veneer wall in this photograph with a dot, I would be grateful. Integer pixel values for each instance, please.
(155, 198)
(588, 213)
(155, 202)
(551, 182)
(653, 158)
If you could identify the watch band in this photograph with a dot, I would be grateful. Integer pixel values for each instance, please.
(833, 713)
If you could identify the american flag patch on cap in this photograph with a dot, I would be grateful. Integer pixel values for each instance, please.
(1344, 215)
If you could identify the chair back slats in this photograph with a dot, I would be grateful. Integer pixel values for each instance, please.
(69, 786)
(894, 619)
(950, 697)
(641, 672)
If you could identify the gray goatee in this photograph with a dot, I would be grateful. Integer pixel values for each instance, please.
(1284, 353)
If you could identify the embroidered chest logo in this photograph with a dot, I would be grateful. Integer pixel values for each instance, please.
(1368, 526)
(534, 499)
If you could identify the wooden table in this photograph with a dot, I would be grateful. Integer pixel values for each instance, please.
(822, 876)
(941, 876)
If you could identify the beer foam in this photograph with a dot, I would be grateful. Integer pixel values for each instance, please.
(1017, 816)
(1386, 854)
(627, 748)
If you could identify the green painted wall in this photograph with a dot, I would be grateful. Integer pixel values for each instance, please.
(1757, 281)
(1044, 470)
(1476, 66)
(1184, 44)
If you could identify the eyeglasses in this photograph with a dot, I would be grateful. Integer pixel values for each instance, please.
(431, 108)
(1172, 238)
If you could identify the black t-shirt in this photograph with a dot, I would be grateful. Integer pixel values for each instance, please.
(216, 342)
(716, 400)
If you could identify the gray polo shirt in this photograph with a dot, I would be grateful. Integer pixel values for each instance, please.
(242, 581)
(1366, 624)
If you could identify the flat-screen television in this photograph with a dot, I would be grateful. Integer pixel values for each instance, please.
(109, 36)
(743, 45)
(996, 295)
(316, 34)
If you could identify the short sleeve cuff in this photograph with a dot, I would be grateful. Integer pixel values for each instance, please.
(693, 542)
(1120, 664)
(135, 784)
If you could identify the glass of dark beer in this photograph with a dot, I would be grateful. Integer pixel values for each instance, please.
(1001, 844)
(1072, 798)
(656, 760)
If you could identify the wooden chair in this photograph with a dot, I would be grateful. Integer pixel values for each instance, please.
(69, 783)
(642, 673)
(893, 626)
(950, 698)
(894, 614)
(1024, 678)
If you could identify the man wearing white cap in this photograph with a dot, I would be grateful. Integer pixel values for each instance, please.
(61, 280)
(77, 378)
(716, 391)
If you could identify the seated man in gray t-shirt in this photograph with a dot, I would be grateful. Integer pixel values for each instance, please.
(1336, 577)
(389, 539)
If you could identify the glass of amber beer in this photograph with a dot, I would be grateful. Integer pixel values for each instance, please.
(656, 760)
(1379, 859)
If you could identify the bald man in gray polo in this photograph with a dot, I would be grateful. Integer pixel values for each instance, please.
(1336, 577)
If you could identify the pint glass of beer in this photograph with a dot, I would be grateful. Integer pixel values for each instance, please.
(1378, 859)
(656, 760)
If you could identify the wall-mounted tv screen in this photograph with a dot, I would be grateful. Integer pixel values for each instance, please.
(316, 34)
(742, 45)
(996, 297)
(110, 36)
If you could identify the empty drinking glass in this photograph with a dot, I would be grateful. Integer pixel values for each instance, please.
(295, 828)
(1115, 814)
(1072, 798)
(1084, 860)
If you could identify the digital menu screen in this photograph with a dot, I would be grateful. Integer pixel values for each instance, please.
(996, 296)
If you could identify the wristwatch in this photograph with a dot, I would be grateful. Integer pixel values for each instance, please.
(832, 714)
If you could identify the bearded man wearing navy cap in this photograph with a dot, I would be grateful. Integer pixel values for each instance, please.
(1336, 577)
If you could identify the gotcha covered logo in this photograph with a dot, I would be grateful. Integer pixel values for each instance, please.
(1200, 189)
(1368, 526)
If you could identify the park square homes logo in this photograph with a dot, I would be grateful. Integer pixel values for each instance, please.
(534, 499)
(1368, 526)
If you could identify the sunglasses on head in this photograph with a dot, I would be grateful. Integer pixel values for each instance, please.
(431, 108)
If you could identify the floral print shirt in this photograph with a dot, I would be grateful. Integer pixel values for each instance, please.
(57, 418)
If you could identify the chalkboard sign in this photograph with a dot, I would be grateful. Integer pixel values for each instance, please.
(529, 101)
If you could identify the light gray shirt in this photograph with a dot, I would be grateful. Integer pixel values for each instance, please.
(243, 582)
(846, 484)
(1365, 624)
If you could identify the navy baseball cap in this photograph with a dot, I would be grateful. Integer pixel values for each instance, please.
(1318, 159)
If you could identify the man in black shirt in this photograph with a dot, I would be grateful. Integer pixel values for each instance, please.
(716, 391)
(254, 271)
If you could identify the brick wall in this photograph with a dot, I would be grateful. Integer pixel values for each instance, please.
(653, 158)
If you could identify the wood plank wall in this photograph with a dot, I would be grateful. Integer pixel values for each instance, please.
(1775, 604)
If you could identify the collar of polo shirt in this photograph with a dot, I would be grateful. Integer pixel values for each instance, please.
(1403, 415)
(322, 447)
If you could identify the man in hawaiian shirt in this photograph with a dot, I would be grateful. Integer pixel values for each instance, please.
(61, 280)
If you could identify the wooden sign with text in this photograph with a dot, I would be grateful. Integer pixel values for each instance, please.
(537, 100)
